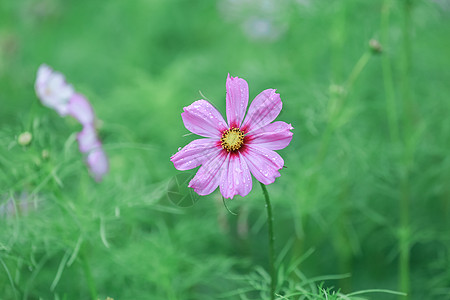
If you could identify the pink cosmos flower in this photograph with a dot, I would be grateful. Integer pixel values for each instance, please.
(233, 150)
(53, 90)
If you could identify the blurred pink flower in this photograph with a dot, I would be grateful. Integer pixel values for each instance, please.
(97, 163)
(53, 90)
(235, 149)
(80, 108)
(87, 139)
(96, 158)
(18, 204)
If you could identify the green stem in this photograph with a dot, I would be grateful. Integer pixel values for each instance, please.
(393, 121)
(387, 74)
(362, 62)
(404, 238)
(88, 276)
(338, 102)
(271, 242)
(406, 65)
(337, 37)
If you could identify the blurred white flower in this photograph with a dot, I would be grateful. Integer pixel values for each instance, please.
(53, 90)
(260, 28)
(444, 4)
(260, 19)
(304, 2)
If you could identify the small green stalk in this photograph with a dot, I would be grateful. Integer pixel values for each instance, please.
(88, 276)
(404, 238)
(357, 69)
(387, 75)
(271, 243)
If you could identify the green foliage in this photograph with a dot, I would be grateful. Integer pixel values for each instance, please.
(366, 183)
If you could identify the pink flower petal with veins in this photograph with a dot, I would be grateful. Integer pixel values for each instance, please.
(207, 178)
(263, 110)
(195, 153)
(203, 119)
(80, 108)
(237, 100)
(52, 89)
(275, 136)
(263, 163)
(236, 178)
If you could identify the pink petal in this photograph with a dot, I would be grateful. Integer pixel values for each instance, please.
(208, 176)
(236, 178)
(195, 153)
(274, 136)
(87, 139)
(263, 110)
(80, 108)
(203, 119)
(97, 163)
(237, 100)
(263, 163)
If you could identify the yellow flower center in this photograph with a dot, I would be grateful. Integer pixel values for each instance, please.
(232, 139)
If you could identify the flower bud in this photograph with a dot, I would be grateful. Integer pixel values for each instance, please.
(24, 138)
(45, 154)
(375, 46)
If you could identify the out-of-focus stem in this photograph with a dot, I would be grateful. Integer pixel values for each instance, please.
(337, 38)
(362, 62)
(404, 238)
(387, 74)
(406, 65)
(338, 105)
(31, 115)
(88, 276)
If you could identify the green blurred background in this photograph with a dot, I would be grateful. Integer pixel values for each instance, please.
(363, 203)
